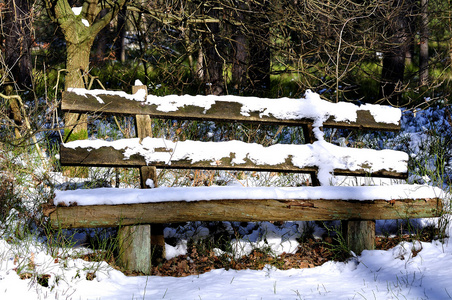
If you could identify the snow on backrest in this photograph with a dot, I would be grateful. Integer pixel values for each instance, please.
(310, 107)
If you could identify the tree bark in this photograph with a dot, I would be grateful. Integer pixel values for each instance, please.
(213, 61)
(259, 48)
(450, 31)
(101, 41)
(392, 74)
(239, 62)
(18, 41)
(240, 52)
(423, 52)
(121, 42)
(77, 64)
(200, 65)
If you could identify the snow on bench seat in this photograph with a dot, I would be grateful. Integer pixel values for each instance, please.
(117, 196)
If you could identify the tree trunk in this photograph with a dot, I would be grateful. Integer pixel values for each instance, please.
(79, 32)
(259, 49)
(239, 62)
(77, 64)
(17, 34)
(200, 65)
(121, 42)
(392, 77)
(213, 61)
(423, 52)
(102, 39)
(450, 31)
(394, 58)
(240, 51)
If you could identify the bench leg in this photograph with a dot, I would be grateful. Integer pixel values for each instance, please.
(359, 235)
(157, 239)
(135, 248)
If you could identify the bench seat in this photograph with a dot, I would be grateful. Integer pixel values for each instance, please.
(106, 207)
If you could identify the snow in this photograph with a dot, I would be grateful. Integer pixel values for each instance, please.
(322, 154)
(77, 10)
(408, 271)
(311, 106)
(138, 96)
(116, 196)
(85, 22)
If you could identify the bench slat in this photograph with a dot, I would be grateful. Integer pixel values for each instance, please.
(226, 111)
(234, 155)
(182, 204)
(240, 210)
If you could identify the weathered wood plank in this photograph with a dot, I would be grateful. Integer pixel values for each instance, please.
(359, 235)
(135, 248)
(110, 157)
(241, 210)
(223, 111)
(157, 240)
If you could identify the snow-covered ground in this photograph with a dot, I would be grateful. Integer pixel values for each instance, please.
(408, 271)
(30, 269)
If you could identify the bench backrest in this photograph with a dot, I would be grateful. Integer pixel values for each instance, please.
(282, 111)
(311, 113)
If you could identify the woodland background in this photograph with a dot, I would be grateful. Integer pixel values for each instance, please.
(395, 52)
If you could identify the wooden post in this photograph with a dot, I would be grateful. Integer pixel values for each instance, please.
(309, 138)
(134, 248)
(359, 235)
(144, 129)
(157, 238)
(142, 245)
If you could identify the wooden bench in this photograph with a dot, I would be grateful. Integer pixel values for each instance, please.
(133, 210)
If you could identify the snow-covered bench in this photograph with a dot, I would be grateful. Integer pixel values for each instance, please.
(359, 206)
